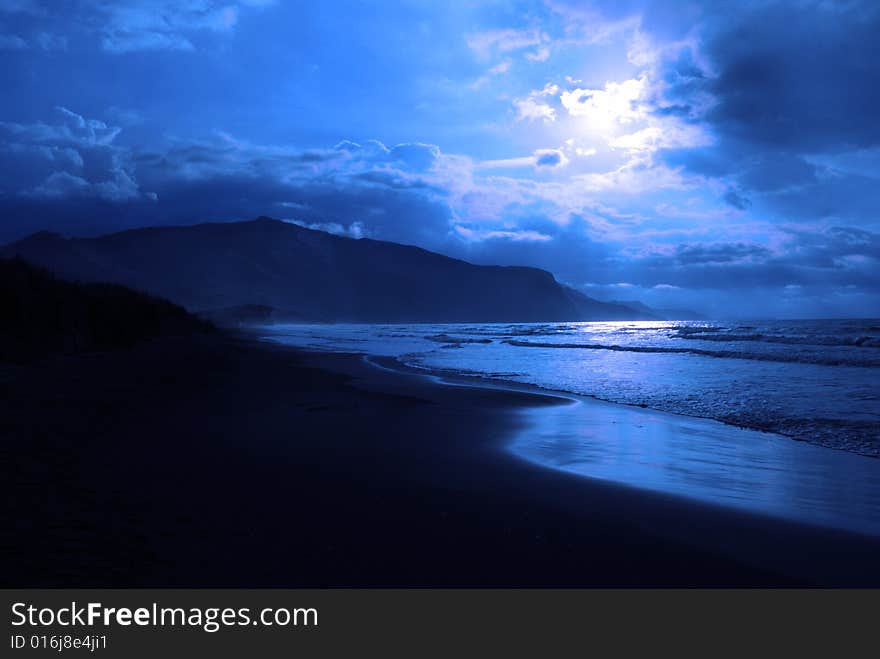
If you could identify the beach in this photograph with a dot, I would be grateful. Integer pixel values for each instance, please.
(223, 461)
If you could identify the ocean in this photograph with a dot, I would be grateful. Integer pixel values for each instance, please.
(814, 381)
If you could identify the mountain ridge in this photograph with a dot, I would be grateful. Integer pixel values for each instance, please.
(306, 273)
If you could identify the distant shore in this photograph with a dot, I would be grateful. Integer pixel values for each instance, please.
(222, 461)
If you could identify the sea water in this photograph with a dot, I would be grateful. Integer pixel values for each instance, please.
(813, 381)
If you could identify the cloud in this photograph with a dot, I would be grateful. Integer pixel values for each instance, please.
(73, 158)
(633, 115)
(122, 26)
(59, 184)
(126, 26)
(803, 87)
(353, 189)
(74, 130)
(488, 42)
(783, 105)
(615, 103)
(416, 156)
(530, 109)
(720, 253)
(353, 230)
(590, 23)
(818, 260)
(499, 69)
(551, 158)
(414, 193)
(540, 55)
(736, 200)
(534, 106)
(62, 185)
(483, 235)
(541, 159)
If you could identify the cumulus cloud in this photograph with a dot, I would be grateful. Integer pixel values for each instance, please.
(616, 102)
(535, 105)
(416, 156)
(530, 109)
(633, 116)
(353, 189)
(75, 157)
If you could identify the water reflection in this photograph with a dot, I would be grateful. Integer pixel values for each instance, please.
(706, 460)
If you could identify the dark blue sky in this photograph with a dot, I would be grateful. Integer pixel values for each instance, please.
(724, 155)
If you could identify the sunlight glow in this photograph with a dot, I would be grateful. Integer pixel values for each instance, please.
(606, 109)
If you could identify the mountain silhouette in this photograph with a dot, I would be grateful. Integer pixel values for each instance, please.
(303, 274)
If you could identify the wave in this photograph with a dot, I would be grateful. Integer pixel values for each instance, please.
(455, 340)
(703, 334)
(719, 354)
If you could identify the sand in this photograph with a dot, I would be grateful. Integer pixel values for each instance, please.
(223, 462)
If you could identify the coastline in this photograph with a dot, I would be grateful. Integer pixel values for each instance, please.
(790, 394)
(230, 462)
(696, 458)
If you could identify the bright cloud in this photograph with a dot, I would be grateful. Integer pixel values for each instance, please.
(534, 106)
(604, 109)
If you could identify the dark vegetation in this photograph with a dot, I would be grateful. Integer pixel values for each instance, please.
(41, 314)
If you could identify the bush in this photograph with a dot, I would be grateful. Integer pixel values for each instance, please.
(41, 314)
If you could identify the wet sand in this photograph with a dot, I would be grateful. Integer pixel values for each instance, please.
(227, 462)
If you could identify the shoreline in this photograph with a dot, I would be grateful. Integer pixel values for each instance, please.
(602, 413)
(663, 509)
(500, 382)
(234, 462)
(861, 446)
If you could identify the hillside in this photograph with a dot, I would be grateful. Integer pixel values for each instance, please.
(306, 274)
(40, 315)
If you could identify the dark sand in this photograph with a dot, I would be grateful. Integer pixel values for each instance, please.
(224, 462)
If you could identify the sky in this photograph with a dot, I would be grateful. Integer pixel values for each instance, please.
(719, 156)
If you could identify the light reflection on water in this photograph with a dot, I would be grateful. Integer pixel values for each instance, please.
(705, 460)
